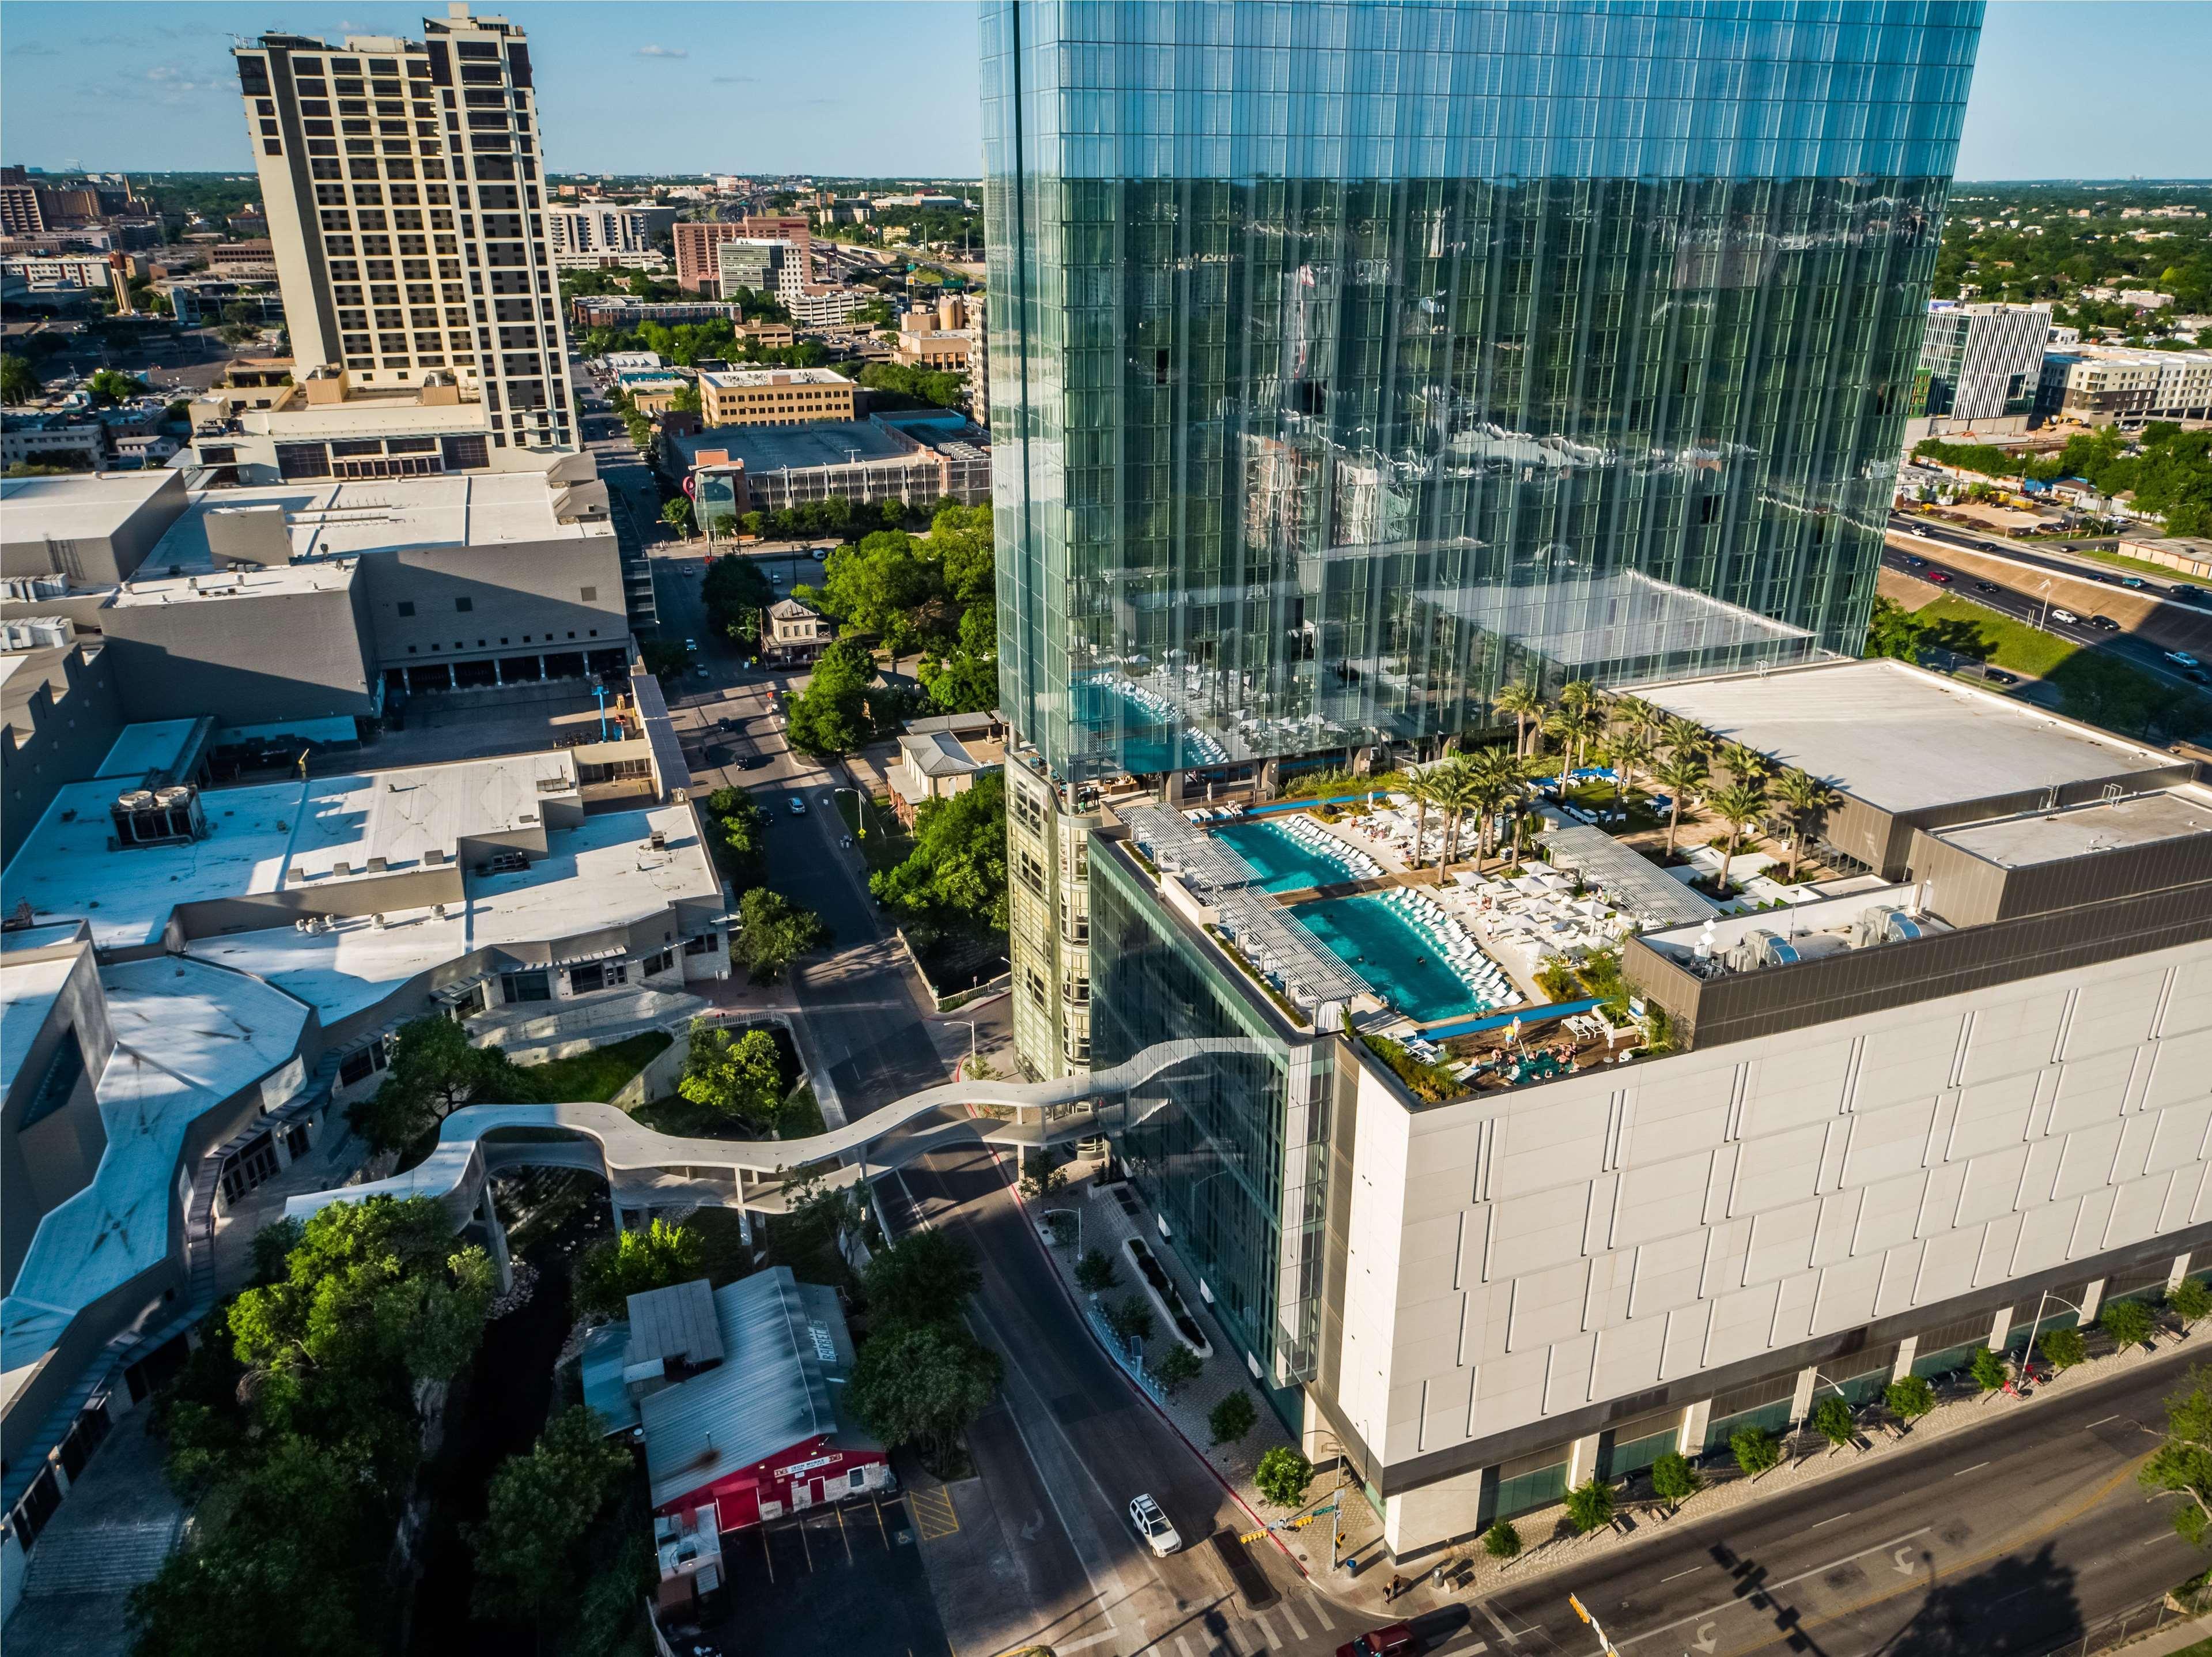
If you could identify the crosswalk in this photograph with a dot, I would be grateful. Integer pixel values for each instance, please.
(1306, 1621)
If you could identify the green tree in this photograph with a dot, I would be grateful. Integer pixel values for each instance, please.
(2128, 1322)
(922, 1384)
(106, 386)
(1230, 1419)
(1832, 1421)
(1178, 1367)
(1130, 1318)
(1987, 1369)
(1095, 1273)
(1589, 1506)
(1682, 773)
(1908, 1398)
(1739, 805)
(2189, 1300)
(2181, 1466)
(433, 1071)
(954, 878)
(925, 1277)
(738, 1073)
(1502, 1542)
(774, 932)
(739, 828)
(539, 1511)
(830, 716)
(1805, 801)
(1674, 1481)
(2062, 1349)
(735, 592)
(1756, 1450)
(635, 1262)
(676, 513)
(1283, 1476)
(19, 381)
(887, 587)
(1524, 702)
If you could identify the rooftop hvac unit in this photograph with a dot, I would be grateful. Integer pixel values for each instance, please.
(1887, 923)
(657, 839)
(35, 632)
(1763, 949)
(148, 817)
(29, 589)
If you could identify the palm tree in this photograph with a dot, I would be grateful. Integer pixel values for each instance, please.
(1683, 771)
(1454, 783)
(1739, 805)
(1502, 782)
(1635, 713)
(1630, 749)
(1422, 787)
(1577, 693)
(1744, 765)
(1525, 702)
(1682, 735)
(1575, 724)
(1806, 800)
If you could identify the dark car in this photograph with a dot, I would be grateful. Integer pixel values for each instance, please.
(2189, 594)
(1911, 563)
(1998, 676)
(752, 762)
(2104, 624)
(1391, 1641)
(1987, 587)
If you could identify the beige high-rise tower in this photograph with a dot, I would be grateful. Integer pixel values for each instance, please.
(403, 183)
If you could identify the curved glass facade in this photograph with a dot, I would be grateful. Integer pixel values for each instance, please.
(1350, 357)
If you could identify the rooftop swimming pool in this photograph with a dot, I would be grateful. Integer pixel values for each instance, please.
(1283, 862)
(1403, 963)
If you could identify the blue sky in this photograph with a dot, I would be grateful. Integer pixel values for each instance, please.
(2102, 88)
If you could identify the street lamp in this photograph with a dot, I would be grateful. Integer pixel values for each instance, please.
(2027, 1357)
(1818, 1381)
(2045, 615)
(971, 1023)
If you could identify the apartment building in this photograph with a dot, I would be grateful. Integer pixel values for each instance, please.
(1979, 366)
(2107, 385)
(402, 184)
(587, 233)
(19, 204)
(775, 397)
(760, 267)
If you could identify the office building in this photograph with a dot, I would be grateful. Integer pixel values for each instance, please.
(2125, 387)
(758, 265)
(1946, 1097)
(623, 313)
(775, 397)
(403, 185)
(589, 234)
(1322, 413)
(1979, 368)
(822, 305)
(19, 204)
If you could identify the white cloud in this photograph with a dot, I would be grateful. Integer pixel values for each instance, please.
(663, 52)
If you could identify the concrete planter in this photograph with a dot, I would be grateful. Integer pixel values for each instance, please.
(1159, 1288)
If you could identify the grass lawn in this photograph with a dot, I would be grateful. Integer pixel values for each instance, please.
(885, 845)
(2013, 644)
(1598, 797)
(599, 1073)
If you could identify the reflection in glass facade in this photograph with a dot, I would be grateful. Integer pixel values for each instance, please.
(1228, 1149)
(1351, 357)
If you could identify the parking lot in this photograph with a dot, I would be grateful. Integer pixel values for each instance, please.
(845, 1578)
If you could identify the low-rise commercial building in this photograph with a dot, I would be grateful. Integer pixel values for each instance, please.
(54, 437)
(623, 315)
(775, 397)
(931, 765)
(653, 391)
(204, 301)
(918, 457)
(793, 634)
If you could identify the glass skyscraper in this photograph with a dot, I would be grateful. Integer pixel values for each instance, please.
(1351, 357)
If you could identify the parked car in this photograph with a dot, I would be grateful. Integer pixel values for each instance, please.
(2104, 624)
(1391, 1641)
(2065, 615)
(1158, 1535)
(1941, 577)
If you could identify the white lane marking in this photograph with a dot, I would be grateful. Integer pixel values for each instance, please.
(1975, 1468)
(1770, 1587)
(1479, 1646)
(1298, 1628)
(1320, 1612)
(1182, 1647)
(1829, 1520)
(1266, 1627)
(1497, 1623)
(1085, 1644)
(1692, 1571)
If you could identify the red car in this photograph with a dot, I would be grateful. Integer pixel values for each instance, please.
(1941, 577)
(1395, 1640)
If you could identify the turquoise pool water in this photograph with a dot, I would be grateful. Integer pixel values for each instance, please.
(1284, 864)
(1403, 965)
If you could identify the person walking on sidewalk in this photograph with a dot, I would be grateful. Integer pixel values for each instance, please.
(1397, 1587)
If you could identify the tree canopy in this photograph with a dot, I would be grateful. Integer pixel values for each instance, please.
(773, 932)
(735, 1072)
(830, 716)
(956, 875)
(634, 1262)
(925, 1277)
(736, 592)
(433, 1071)
(540, 1509)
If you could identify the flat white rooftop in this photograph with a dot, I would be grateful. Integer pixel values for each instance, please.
(739, 377)
(329, 519)
(84, 507)
(2140, 820)
(1900, 739)
(269, 836)
(368, 417)
(28, 989)
(604, 873)
(155, 745)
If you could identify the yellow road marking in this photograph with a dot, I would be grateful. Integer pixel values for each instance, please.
(933, 1517)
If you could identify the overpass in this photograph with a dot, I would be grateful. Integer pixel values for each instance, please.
(645, 1169)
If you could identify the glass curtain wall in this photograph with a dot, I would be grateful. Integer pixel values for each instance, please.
(1351, 357)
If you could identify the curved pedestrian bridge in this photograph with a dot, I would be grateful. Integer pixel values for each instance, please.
(645, 1169)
